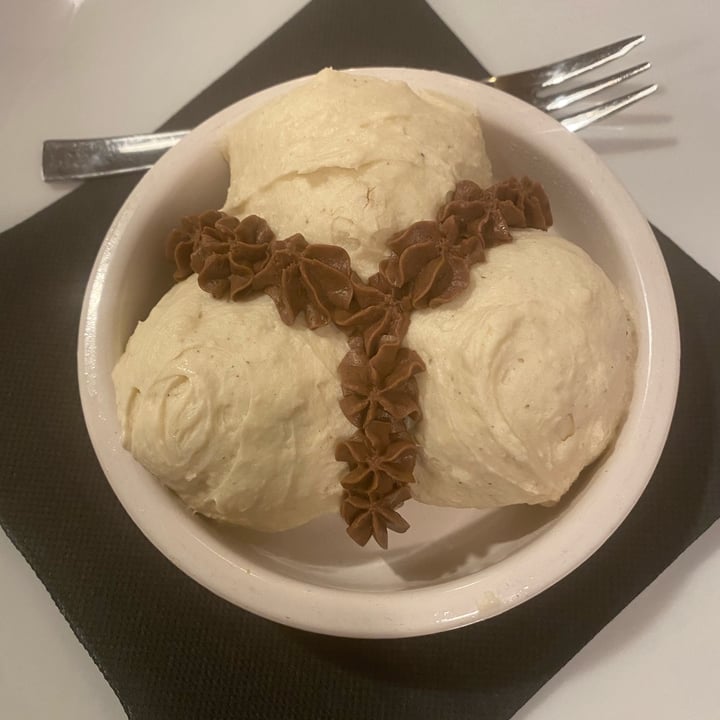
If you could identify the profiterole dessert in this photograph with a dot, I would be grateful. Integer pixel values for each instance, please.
(370, 319)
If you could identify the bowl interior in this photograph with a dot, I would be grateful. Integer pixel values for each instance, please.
(503, 554)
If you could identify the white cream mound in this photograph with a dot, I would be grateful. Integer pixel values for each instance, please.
(233, 410)
(529, 373)
(350, 160)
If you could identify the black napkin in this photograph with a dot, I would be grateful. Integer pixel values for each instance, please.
(169, 648)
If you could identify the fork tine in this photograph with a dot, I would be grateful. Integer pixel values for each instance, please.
(583, 119)
(557, 72)
(561, 100)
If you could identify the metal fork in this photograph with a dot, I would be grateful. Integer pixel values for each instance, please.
(97, 157)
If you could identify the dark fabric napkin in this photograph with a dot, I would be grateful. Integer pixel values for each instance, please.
(169, 648)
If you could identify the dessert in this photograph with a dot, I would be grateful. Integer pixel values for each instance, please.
(521, 351)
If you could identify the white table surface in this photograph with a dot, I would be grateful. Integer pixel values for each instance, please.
(77, 68)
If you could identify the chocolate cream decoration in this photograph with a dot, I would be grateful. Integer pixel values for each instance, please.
(429, 265)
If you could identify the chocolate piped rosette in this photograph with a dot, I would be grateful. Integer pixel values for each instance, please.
(486, 362)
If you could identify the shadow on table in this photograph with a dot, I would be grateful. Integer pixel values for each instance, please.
(616, 145)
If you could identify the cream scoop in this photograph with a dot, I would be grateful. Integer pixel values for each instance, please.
(350, 160)
(529, 373)
(233, 410)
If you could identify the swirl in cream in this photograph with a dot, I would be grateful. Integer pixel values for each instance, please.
(233, 410)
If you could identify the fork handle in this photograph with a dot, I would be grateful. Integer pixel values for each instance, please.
(95, 157)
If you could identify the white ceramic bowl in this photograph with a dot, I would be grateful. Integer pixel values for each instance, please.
(453, 567)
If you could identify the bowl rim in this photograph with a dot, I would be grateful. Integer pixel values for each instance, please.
(447, 605)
